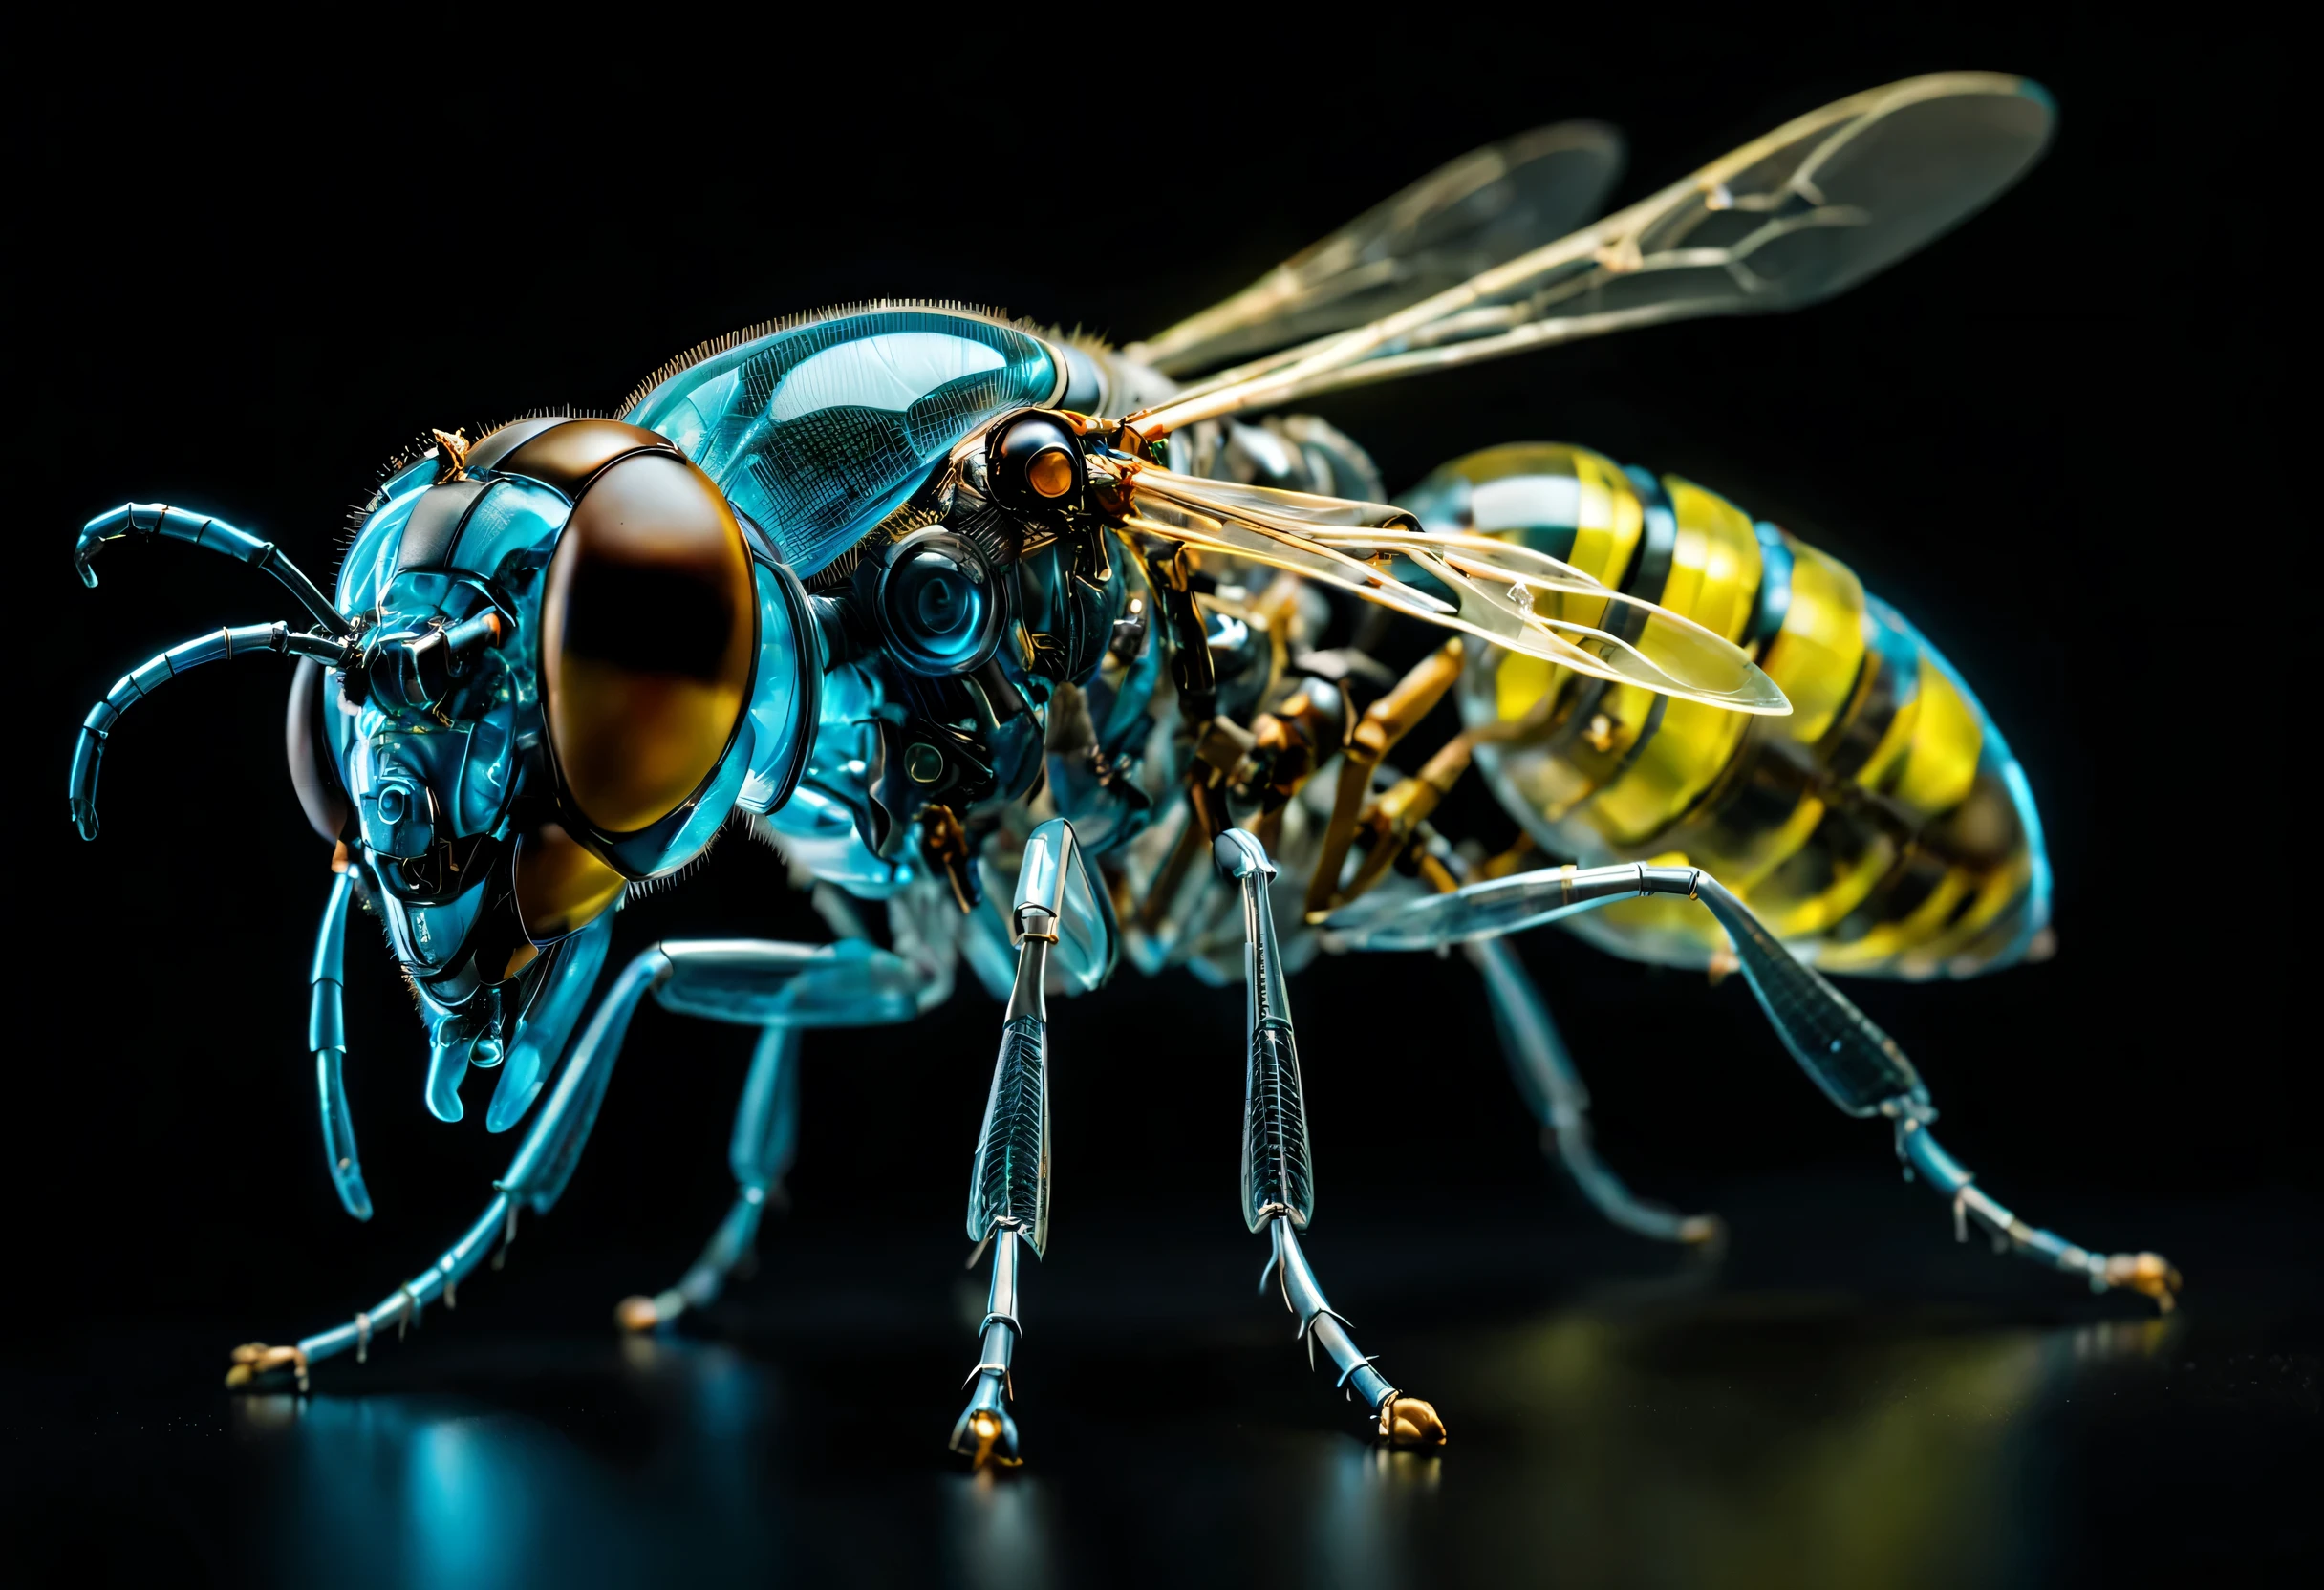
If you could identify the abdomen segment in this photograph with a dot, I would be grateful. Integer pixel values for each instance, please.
(1883, 828)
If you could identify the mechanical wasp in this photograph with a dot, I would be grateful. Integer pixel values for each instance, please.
(1062, 655)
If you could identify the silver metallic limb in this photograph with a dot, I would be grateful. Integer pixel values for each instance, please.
(2150, 1273)
(1277, 1172)
(985, 1431)
(1008, 1189)
(1402, 1421)
(1278, 1176)
(1858, 1067)
(1545, 1074)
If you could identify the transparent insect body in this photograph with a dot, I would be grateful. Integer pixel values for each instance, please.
(1062, 656)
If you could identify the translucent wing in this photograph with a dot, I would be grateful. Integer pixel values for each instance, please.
(1480, 210)
(1809, 210)
(1510, 595)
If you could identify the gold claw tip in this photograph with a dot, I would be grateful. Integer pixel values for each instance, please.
(2149, 1273)
(637, 1314)
(987, 1431)
(1407, 1422)
(253, 1359)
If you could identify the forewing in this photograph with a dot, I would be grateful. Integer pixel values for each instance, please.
(1481, 210)
(1809, 210)
(1507, 594)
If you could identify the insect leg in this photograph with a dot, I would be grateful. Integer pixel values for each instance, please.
(1277, 1172)
(1008, 1186)
(1864, 1071)
(327, 1041)
(745, 981)
(1917, 1147)
(1545, 1075)
(1858, 1067)
(1008, 1197)
(765, 1138)
(784, 987)
(1384, 724)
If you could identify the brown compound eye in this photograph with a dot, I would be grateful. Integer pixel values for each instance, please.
(649, 626)
(560, 886)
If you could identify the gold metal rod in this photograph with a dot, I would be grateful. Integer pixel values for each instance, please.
(1192, 841)
(1396, 816)
(1384, 724)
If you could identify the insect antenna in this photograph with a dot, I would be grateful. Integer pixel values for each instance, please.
(221, 645)
(215, 535)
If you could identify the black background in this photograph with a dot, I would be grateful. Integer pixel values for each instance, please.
(2053, 440)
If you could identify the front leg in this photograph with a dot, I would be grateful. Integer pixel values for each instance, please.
(1278, 1176)
(753, 981)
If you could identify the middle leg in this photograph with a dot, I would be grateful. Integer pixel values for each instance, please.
(1277, 1178)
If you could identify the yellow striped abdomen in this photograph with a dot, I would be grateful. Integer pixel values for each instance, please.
(1883, 828)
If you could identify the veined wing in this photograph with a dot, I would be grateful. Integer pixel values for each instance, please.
(1486, 208)
(1507, 594)
(1807, 211)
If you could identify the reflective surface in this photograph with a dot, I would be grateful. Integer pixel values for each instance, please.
(817, 429)
(1880, 1408)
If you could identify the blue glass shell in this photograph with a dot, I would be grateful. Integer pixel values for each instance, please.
(819, 431)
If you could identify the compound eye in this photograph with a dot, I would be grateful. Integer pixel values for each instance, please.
(1034, 462)
(649, 632)
(314, 770)
(940, 608)
(560, 886)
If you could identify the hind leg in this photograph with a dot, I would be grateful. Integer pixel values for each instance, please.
(1858, 1067)
(765, 1138)
(1861, 1069)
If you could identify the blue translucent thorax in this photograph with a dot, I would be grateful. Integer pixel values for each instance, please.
(823, 825)
(819, 431)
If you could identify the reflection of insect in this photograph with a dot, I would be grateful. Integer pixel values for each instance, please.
(881, 582)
